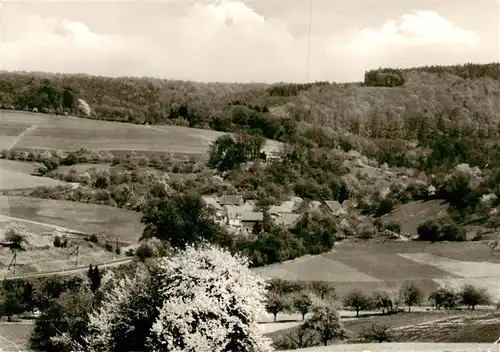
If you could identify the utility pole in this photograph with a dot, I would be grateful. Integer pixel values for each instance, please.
(76, 250)
(13, 263)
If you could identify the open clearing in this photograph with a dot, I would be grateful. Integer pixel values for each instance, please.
(386, 266)
(88, 218)
(65, 133)
(16, 175)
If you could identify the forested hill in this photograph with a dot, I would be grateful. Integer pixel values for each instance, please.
(412, 104)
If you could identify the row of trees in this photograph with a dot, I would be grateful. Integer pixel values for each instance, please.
(293, 297)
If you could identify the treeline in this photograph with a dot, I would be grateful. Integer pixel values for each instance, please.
(291, 89)
(390, 77)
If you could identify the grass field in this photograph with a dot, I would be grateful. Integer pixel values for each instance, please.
(14, 336)
(17, 175)
(22, 130)
(89, 218)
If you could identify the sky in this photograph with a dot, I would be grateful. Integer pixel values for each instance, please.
(245, 41)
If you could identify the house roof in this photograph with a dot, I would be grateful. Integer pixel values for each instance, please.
(333, 205)
(231, 200)
(252, 216)
(290, 219)
(211, 201)
(285, 207)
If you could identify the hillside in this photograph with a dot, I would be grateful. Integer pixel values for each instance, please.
(466, 94)
(364, 169)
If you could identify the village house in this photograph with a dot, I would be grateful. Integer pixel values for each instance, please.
(333, 207)
(211, 202)
(249, 219)
(286, 219)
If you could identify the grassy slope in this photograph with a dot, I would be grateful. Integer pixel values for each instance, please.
(89, 218)
(17, 175)
(67, 133)
(25, 131)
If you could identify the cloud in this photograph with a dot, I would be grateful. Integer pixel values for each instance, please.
(419, 28)
(228, 41)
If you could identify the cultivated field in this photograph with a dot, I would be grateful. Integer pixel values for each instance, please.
(88, 218)
(387, 266)
(17, 175)
(22, 130)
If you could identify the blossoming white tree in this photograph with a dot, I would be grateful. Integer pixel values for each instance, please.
(212, 301)
(201, 299)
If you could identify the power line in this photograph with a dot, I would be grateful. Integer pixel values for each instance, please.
(309, 43)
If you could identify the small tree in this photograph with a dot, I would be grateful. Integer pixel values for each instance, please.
(302, 303)
(94, 276)
(472, 296)
(15, 236)
(376, 332)
(29, 296)
(358, 300)
(323, 289)
(383, 301)
(326, 323)
(11, 300)
(444, 297)
(276, 304)
(411, 295)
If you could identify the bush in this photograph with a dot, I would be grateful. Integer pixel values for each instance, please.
(93, 238)
(379, 333)
(394, 227)
(108, 246)
(144, 251)
(57, 241)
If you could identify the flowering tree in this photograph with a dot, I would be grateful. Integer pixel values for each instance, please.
(199, 300)
(213, 304)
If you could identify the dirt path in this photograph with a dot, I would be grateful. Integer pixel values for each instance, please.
(55, 227)
(25, 133)
(78, 269)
